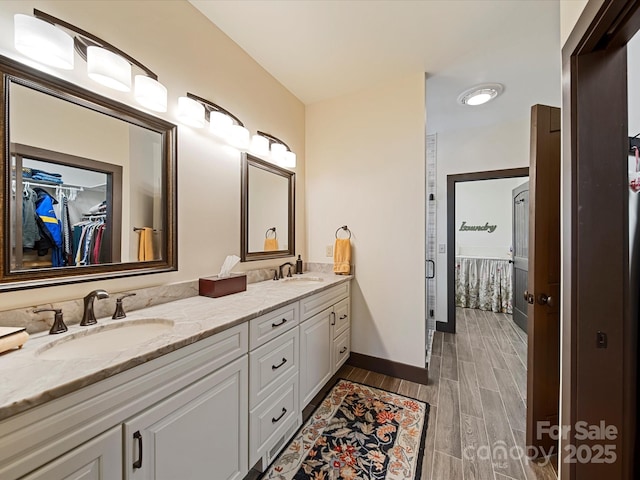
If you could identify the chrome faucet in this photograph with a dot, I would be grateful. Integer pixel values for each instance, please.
(284, 264)
(88, 317)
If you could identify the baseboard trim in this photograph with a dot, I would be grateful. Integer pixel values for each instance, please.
(445, 327)
(391, 368)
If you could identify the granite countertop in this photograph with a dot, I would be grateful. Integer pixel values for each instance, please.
(29, 379)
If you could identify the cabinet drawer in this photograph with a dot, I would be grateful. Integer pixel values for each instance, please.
(341, 349)
(271, 418)
(270, 325)
(316, 303)
(271, 364)
(342, 317)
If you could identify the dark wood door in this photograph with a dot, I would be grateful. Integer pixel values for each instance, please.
(520, 209)
(543, 362)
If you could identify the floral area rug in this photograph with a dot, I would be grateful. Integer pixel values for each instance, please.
(357, 433)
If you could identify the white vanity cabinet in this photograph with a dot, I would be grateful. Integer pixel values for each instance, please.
(273, 382)
(200, 432)
(325, 334)
(98, 459)
(189, 406)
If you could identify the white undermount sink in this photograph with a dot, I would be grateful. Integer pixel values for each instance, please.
(105, 338)
(302, 280)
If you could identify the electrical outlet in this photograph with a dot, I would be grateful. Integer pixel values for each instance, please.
(442, 248)
(329, 251)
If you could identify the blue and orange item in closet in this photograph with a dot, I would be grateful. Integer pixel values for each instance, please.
(342, 253)
(271, 243)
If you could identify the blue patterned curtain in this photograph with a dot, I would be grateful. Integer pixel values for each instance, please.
(484, 283)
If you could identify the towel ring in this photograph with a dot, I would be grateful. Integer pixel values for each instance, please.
(273, 230)
(344, 227)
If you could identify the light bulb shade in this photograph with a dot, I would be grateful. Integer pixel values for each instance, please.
(288, 160)
(150, 93)
(238, 137)
(277, 152)
(259, 145)
(190, 112)
(108, 69)
(219, 123)
(480, 94)
(43, 42)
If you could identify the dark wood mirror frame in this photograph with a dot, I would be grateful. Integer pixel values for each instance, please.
(245, 255)
(15, 72)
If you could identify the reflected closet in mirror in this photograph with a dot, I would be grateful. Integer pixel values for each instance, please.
(89, 184)
(268, 210)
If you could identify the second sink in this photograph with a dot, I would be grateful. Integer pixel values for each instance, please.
(108, 338)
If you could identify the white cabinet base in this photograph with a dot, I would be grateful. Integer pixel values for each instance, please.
(98, 459)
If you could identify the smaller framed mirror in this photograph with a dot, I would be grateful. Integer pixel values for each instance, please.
(267, 210)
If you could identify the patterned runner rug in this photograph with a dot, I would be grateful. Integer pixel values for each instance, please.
(357, 433)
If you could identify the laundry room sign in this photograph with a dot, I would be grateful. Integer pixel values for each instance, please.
(477, 228)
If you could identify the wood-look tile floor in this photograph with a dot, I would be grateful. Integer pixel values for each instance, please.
(477, 392)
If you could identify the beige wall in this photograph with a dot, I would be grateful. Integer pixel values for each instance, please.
(189, 54)
(570, 11)
(365, 164)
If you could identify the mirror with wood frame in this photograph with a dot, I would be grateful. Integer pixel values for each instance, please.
(267, 210)
(88, 184)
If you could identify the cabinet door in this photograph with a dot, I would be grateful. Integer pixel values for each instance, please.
(98, 459)
(315, 355)
(200, 432)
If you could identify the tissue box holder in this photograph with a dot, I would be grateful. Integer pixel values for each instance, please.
(219, 287)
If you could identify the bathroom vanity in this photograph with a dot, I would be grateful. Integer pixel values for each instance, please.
(219, 386)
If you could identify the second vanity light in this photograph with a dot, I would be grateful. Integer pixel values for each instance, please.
(44, 38)
(196, 111)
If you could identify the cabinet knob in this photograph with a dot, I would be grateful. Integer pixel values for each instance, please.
(274, 325)
(275, 367)
(276, 420)
(138, 437)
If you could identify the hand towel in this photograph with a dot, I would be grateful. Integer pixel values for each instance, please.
(270, 244)
(342, 256)
(145, 246)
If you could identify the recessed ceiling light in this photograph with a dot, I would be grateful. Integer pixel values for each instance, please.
(480, 94)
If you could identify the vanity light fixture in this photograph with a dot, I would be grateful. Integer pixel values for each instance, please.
(480, 94)
(44, 38)
(43, 42)
(281, 154)
(191, 112)
(259, 145)
(222, 122)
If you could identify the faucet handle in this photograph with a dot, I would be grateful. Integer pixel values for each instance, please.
(275, 275)
(58, 323)
(119, 313)
(289, 272)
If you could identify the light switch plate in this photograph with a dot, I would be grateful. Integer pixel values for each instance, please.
(329, 251)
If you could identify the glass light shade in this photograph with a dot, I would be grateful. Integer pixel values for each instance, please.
(108, 69)
(277, 152)
(479, 99)
(238, 137)
(190, 112)
(219, 123)
(43, 42)
(150, 93)
(259, 145)
(288, 160)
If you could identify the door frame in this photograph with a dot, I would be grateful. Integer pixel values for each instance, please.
(597, 383)
(452, 180)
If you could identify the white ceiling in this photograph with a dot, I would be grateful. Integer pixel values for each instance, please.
(321, 49)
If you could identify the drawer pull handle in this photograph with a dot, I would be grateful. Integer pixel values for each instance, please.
(276, 420)
(342, 317)
(275, 367)
(343, 350)
(138, 437)
(274, 325)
